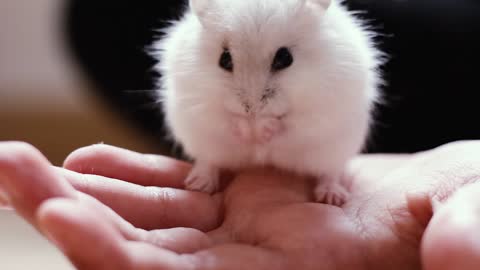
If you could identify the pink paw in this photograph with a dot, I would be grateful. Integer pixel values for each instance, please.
(242, 130)
(332, 193)
(268, 128)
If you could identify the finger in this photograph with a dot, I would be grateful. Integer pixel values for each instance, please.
(89, 242)
(425, 178)
(439, 171)
(74, 227)
(240, 257)
(368, 169)
(28, 178)
(452, 240)
(181, 240)
(231, 257)
(117, 163)
(150, 207)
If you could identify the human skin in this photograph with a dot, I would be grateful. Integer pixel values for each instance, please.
(116, 209)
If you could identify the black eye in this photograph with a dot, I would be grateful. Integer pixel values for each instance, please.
(226, 61)
(283, 59)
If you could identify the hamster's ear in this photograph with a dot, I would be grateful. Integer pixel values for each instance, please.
(324, 4)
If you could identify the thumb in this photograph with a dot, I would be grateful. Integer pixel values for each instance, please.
(452, 240)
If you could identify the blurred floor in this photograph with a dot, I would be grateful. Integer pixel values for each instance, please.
(21, 248)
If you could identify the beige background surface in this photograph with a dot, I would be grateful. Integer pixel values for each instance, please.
(21, 247)
(45, 101)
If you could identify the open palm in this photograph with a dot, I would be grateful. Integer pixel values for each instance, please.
(136, 216)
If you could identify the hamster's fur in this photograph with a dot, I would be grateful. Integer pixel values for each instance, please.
(310, 118)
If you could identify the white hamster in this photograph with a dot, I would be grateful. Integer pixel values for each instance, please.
(289, 84)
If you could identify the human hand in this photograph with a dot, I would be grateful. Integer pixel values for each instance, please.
(263, 220)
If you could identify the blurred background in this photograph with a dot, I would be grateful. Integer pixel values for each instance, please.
(46, 97)
(75, 73)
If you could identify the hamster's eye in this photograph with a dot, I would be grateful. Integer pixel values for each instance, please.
(226, 61)
(283, 59)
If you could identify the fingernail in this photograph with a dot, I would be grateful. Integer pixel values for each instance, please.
(7, 190)
(4, 204)
(45, 229)
(4, 199)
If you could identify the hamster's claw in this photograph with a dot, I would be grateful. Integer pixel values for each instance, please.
(332, 193)
(203, 179)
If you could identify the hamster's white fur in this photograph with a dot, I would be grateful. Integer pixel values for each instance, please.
(318, 112)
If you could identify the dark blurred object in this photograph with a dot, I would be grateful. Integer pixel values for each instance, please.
(432, 92)
(110, 40)
(431, 96)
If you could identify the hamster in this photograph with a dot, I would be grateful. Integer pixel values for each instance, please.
(289, 84)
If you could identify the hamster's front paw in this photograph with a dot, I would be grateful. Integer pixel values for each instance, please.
(203, 178)
(331, 192)
(268, 128)
(242, 130)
